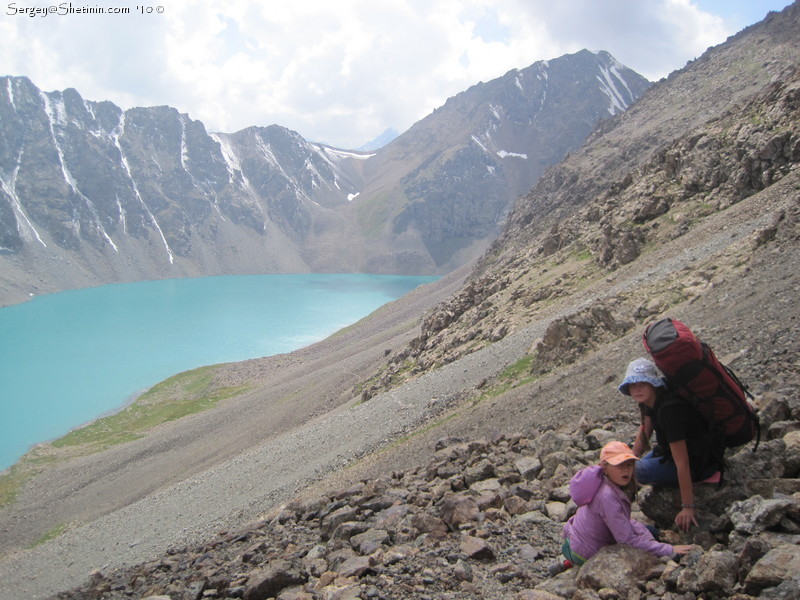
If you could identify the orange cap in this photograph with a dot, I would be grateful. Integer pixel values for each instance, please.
(615, 453)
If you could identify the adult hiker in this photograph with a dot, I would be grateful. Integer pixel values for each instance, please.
(604, 493)
(687, 450)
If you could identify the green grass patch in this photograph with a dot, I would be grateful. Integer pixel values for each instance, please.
(518, 369)
(372, 217)
(513, 375)
(184, 394)
(11, 483)
(50, 535)
(14, 478)
(757, 118)
(398, 376)
(430, 426)
(581, 253)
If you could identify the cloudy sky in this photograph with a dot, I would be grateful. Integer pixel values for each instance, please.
(339, 71)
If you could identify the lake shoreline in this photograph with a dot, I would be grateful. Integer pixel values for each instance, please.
(81, 355)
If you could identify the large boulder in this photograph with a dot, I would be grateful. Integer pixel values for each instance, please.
(777, 566)
(277, 575)
(618, 567)
(662, 504)
(459, 509)
(757, 514)
(714, 572)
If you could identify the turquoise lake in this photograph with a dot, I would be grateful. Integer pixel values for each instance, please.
(68, 358)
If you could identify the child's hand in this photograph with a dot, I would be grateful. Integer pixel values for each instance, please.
(685, 518)
(684, 549)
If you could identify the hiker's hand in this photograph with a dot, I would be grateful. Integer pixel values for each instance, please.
(684, 549)
(685, 519)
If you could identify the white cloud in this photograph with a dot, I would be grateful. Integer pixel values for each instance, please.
(337, 72)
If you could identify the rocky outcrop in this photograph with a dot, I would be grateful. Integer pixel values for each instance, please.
(483, 520)
(570, 337)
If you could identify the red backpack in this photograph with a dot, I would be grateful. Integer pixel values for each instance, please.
(691, 368)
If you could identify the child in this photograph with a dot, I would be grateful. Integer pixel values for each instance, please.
(603, 494)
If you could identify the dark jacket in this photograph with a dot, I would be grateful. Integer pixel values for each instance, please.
(675, 419)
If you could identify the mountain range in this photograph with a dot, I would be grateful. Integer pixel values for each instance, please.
(93, 194)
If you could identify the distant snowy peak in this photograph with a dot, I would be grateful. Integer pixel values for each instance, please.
(150, 187)
(380, 141)
(613, 83)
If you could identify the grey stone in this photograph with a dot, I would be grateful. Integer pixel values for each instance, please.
(775, 567)
(714, 572)
(618, 567)
(756, 514)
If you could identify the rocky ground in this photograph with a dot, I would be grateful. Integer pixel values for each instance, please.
(483, 519)
(177, 489)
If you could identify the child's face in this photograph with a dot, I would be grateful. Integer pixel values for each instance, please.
(643, 392)
(620, 474)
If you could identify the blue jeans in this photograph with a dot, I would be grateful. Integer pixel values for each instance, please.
(650, 470)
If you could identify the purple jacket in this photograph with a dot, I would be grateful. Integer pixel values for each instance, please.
(604, 517)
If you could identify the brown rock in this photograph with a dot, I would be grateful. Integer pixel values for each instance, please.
(777, 565)
(476, 548)
(618, 567)
(267, 582)
(426, 523)
(458, 509)
(354, 567)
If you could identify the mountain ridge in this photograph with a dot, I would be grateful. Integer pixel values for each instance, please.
(93, 194)
(609, 206)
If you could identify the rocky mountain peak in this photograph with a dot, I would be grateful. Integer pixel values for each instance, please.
(149, 193)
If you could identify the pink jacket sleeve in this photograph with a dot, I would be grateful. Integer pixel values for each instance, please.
(630, 531)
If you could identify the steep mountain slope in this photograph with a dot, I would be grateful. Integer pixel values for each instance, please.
(380, 141)
(91, 194)
(718, 131)
(467, 161)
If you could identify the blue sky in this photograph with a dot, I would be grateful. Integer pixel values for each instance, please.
(741, 13)
(341, 72)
